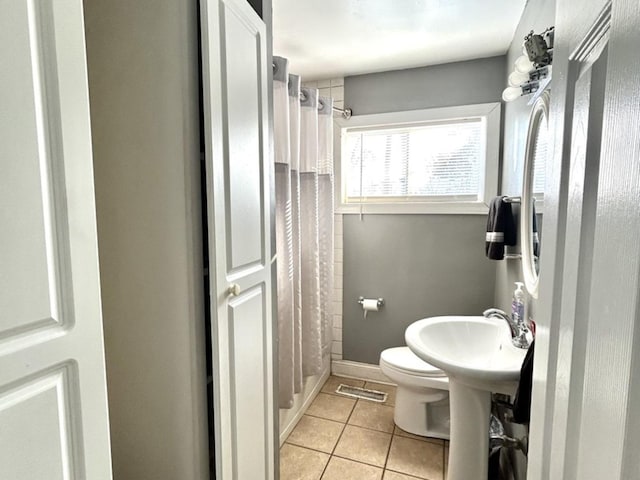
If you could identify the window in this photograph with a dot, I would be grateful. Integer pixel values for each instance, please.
(428, 161)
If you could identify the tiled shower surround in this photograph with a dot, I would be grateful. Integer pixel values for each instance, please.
(334, 88)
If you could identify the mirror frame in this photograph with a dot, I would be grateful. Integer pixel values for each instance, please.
(539, 114)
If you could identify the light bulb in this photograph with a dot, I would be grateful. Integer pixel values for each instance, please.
(511, 93)
(516, 79)
(523, 64)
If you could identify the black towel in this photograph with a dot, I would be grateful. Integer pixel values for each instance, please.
(535, 236)
(522, 402)
(501, 229)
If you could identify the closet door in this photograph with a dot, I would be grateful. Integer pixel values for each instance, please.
(237, 163)
(53, 403)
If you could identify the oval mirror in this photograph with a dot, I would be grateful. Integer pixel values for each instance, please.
(532, 200)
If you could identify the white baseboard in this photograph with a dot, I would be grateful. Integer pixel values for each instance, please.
(363, 371)
(289, 418)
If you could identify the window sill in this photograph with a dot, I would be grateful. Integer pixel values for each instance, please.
(431, 208)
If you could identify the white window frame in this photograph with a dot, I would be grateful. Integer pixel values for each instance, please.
(489, 111)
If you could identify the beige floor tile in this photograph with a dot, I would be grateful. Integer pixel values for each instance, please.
(390, 390)
(363, 445)
(316, 433)
(343, 469)
(389, 475)
(414, 457)
(333, 383)
(373, 415)
(332, 407)
(297, 463)
(402, 433)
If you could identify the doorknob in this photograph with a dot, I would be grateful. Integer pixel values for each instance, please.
(234, 290)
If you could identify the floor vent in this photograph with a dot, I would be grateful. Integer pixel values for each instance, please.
(363, 393)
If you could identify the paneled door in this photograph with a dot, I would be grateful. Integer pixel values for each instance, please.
(238, 175)
(584, 423)
(53, 404)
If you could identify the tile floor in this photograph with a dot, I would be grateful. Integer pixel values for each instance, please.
(340, 438)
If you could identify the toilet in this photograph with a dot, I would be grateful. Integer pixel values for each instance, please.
(422, 396)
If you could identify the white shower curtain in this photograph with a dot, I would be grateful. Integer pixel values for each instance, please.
(294, 138)
(309, 239)
(325, 214)
(303, 142)
(284, 233)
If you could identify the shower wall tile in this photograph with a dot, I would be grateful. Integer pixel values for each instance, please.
(338, 268)
(324, 92)
(336, 345)
(337, 334)
(339, 228)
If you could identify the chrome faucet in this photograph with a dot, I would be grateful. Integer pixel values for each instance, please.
(521, 336)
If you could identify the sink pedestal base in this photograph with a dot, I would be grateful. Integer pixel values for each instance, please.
(469, 444)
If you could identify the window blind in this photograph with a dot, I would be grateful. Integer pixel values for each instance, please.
(439, 160)
(540, 152)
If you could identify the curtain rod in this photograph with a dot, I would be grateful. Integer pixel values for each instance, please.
(346, 112)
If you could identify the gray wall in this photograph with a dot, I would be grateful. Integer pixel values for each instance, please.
(460, 83)
(537, 16)
(422, 265)
(143, 86)
(429, 264)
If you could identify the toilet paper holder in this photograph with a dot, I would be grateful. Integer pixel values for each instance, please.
(380, 301)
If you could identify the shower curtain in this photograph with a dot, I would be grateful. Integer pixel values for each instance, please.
(303, 144)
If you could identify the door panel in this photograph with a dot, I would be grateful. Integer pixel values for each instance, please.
(36, 415)
(246, 335)
(53, 405)
(33, 257)
(245, 211)
(238, 171)
(582, 192)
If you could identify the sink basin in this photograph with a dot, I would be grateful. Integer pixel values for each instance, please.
(477, 355)
(472, 349)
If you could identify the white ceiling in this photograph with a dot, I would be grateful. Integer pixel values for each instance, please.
(335, 38)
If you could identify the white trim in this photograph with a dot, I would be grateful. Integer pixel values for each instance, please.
(361, 371)
(539, 113)
(490, 111)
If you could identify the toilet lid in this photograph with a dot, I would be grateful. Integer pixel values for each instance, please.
(402, 358)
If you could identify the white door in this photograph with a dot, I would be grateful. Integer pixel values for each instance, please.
(586, 390)
(238, 194)
(53, 404)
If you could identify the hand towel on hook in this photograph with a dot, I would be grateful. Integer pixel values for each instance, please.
(501, 229)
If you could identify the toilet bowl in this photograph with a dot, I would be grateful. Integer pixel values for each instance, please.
(422, 396)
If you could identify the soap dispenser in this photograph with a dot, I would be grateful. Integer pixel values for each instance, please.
(517, 305)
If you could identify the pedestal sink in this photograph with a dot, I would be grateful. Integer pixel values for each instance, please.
(479, 358)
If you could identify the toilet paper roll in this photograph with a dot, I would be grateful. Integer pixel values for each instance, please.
(369, 305)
